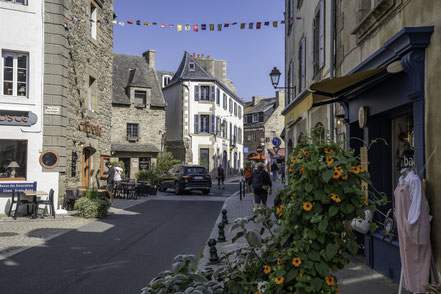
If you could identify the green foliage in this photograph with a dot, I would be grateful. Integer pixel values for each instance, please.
(165, 162)
(92, 206)
(148, 175)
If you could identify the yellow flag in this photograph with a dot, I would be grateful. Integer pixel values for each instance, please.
(275, 23)
(179, 27)
(114, 21)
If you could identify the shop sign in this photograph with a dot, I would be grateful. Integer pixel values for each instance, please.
(19, 187)
(17, 118)
(87, 127)
(134, 163)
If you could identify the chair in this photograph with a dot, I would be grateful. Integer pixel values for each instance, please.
(131, 191)
(19, 202)
(49, 201)
(69, 200)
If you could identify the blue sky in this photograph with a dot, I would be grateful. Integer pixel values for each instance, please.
(250, 54)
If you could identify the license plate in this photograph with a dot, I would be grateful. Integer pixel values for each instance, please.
(198, 178)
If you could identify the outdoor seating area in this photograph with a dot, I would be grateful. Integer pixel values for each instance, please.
(32, 200)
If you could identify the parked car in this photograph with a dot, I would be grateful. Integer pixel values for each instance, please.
(185, 178)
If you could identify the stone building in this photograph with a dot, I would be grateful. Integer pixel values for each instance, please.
(78, 89)
(138, 112)
(204, 115)
(388, 70)
(263, 121)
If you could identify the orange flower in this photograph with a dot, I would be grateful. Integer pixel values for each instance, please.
(328, 151)
(345, 177)
(293, 160)
(360, 169)
(355, 170)
(280, 210)
(337, 172)
(337, 291)
(291, 169)
(279, 261)
(307, 206)
(306, 154)
(302, 169)
(301, 274)
(296, 262)
(266, 269)
(278, 281)
(335, 197)
(330, 281)
(258, 292)
(329, 160)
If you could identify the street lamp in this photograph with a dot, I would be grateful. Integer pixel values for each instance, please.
(275, 79)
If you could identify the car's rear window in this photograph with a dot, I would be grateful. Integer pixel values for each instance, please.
(195, 170)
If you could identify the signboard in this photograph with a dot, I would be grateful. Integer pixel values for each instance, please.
(262, 140)
(52, 110)
(134, 163)
(259, 149)
(276, 149)
(245, 150)
(17, 118)
(19, 187)
(86, 126)
(276, 142)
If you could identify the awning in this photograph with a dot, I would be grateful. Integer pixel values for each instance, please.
(304, 105)
(281, 152)
(327, 90)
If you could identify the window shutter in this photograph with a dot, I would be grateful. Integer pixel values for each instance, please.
(313, 46)
(212, 118)
(303, 63)
(218, 96)
(322, 35)
(213, 93)
(196, 123)
(196, 93)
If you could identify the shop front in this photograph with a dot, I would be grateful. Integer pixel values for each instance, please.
(383, 99)
(135, 157)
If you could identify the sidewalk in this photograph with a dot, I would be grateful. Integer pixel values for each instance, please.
(356, 277)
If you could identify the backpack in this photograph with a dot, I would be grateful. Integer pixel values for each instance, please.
(257, 180)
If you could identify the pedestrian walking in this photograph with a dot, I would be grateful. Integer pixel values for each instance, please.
(118, 173)
(282, 172)
(110, 180)
(261, 184)
(274, 170)
(220, 176)
(247, 176)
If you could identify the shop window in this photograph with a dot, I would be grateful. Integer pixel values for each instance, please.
(132, 132)
(13, 160)
(104, 169)
(15, 74)
(204, 158)
(140, 99)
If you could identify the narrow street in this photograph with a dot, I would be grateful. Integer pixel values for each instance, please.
(118, 254)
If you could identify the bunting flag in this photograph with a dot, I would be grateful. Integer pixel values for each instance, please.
(250, 25)
(242, 26)
(163, 26)
(179, 27)
(275, 24)
(138, 22)
(226, 25)
(234, 23)
(266, 23)
(154, 23)
(121, 23)
(114, 21)
(211, 27)
(106, 20)
(187, 27)
(171, 26)
(146, 23)
(195, 28)
(129, 22)
(258, 25)
(219, 27)
(203, 27)
(98, 21)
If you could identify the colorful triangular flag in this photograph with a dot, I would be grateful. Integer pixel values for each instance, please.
(91, 20)
(146, 23)
(250, 25)
(121, 23)
(211, 27)
(266, 23)
(154, 23)
(226, 25)
(234, 23)
(114, 21)
(275, 24)
(130, 22)
(203, 27)
(282, 21)
(179, 27)
(138, 22)
(258, 25)
(163, 26)
(98, 21)
(219, 27)
(106, 20)
(195, 28)
(187, 27)
(242, 26)
(171, 25)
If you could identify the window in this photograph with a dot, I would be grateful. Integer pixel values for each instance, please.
(290, 77)
(93, 20)
(140, 99)
(132, 132)
(204, 158)
(191, 66)
(13, 159)
(230, 105)
(23, 2)
(235, 108)
(218, 96)
(205, 93)
(92, 94)
(302, 65)
(239, 112)
(225, 102)
(273, 135)
(255, 117)
(15, 74)
(253, 137)
(318, 40)
(205, 124)
(144, 163)
(166, 80)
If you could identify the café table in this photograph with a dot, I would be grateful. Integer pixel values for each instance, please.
(34, 195)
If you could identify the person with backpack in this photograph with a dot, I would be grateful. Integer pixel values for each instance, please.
(274, 170)
(261, 184)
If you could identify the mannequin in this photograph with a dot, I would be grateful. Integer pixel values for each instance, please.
(413, 230)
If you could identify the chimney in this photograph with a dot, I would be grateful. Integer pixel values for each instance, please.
(202, 56)
(194, 55)
(257, 99)
(149, 56)
(199, 56)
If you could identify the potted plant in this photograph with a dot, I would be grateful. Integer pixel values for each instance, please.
(151, 178)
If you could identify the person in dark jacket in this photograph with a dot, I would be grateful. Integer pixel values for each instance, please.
(220, 176)
(110, 180)
(261, 184)
(274, 170)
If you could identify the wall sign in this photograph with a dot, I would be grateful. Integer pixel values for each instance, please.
(52, 110)
(362, 116)
(19, 187)
(17, 118)
(74, 164)
(86, 126)
(49, 159)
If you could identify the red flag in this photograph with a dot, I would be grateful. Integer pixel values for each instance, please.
(226, 25)
(195, 28)
(258, 25)
(130, 22)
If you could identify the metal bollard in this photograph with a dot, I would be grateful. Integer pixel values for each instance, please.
(214, 258)
(240, 190)
(224, 216)
(221, 237)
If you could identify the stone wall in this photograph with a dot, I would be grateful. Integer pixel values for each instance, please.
(276, 122)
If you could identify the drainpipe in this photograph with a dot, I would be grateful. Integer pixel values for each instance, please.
(331, 66)
(188, 110)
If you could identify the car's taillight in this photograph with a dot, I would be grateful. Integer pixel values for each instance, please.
(186, 177)
(208, 177)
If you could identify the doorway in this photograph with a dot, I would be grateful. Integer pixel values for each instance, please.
(85, 181)
(126, 162)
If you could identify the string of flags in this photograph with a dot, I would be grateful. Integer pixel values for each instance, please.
(190, 27)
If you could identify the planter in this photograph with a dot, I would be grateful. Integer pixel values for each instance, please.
(152, 190)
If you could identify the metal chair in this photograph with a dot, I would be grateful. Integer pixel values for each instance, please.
(19, 202)
(69, 200)
(49, 201)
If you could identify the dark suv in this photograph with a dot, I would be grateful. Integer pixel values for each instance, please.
(186, 178)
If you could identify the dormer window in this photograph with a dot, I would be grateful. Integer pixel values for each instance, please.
(140, 99)
(166, 80)
(191, 66)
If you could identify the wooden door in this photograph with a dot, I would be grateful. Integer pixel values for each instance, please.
(86, 168)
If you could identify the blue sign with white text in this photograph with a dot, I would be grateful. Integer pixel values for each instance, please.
(19, 187)
(276, 141)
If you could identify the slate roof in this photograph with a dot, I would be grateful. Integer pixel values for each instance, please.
(198, 74)
(267, 106)
(133, 71)
(129, 147)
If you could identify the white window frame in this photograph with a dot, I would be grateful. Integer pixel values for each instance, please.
(25, 2)
(255, 118)
(14, 73)
(93, 18)
(191, 66)
(166, 80)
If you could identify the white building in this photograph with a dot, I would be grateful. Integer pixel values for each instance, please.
(21, 92)
(204, 117)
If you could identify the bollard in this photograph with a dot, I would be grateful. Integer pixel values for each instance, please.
(224, 216)
(214, 258)
(240, 190)
(221, 237)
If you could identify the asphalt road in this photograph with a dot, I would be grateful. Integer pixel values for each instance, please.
(119, 254)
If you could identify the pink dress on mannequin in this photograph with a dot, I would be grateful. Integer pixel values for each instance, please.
(413, 232)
